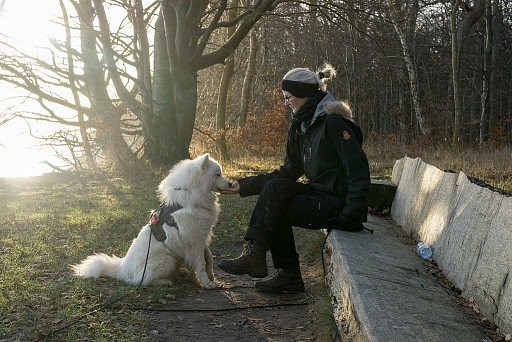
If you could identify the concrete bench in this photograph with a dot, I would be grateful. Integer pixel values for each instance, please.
(382, 291)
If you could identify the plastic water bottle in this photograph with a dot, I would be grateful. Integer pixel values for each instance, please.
(424, 250)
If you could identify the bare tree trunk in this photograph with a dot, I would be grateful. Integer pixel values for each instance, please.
(144, 65)
(141, 55)
(184, 78)
(227, 73)
(406, 39)
(72, 80)
(220, 117)
(160, 141)
(508, 119)
(415, 97)
(497, 14)
(249, 77)
(487, 69)
(448, 113)
(352, 73)
(107, 117)
(457, 113)
(314, 58)
(186, 102)
(458, 35)
(186, 41)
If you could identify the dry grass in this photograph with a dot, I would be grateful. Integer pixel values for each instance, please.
(494, 166)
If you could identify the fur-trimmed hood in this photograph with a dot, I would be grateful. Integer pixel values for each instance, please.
(340, 108)
(329, 105)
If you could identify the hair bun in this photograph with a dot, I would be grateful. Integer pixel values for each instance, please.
(327, 72)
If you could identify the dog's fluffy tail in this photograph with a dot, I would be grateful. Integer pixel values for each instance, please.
(98, 265)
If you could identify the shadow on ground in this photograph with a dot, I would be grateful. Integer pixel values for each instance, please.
(234, 312)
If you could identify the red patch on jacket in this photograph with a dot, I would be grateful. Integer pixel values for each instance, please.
(346, 135)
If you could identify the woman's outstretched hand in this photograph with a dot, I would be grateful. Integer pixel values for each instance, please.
(234, 189)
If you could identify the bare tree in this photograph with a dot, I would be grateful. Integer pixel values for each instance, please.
(249, 77)
(86, 143)
(159, 103)
(189, 26)
(459, 32)
(403, 15)
(498, 24)
(227, 73)
(487, 74)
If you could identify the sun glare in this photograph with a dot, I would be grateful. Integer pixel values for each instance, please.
(28, 24)
(20, 153)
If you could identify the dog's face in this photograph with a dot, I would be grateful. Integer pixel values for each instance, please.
(212, 171)
(202, 174)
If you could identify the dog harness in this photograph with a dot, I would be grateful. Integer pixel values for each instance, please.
(160, 216)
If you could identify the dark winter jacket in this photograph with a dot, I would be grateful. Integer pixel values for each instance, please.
(328, 152)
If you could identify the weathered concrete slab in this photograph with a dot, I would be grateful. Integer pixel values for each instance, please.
(490, 281)
(468, 225)
(501, 233)
(382, 292)
(460, 245)
(423, 200)
(397, 170)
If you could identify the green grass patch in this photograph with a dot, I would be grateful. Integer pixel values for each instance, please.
(48, 223)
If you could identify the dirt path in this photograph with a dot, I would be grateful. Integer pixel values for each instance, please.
(234, 312)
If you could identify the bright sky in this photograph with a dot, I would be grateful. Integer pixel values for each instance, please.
(27, 21)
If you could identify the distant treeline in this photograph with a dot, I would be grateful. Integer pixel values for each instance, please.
(395, 63)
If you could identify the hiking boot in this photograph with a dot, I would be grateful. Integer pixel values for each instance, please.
(285, 280)
(252, 261)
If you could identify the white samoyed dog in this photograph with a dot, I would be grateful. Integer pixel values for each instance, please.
(189, 191)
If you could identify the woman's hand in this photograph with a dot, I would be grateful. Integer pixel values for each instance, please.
(234, 189)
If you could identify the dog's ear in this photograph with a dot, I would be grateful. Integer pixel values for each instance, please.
(206, 162)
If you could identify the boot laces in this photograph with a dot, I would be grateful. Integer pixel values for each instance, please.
(248, 249)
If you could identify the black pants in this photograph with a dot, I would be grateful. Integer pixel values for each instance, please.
(284, 203)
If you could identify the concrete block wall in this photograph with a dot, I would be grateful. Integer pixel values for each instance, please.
(470, 228)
